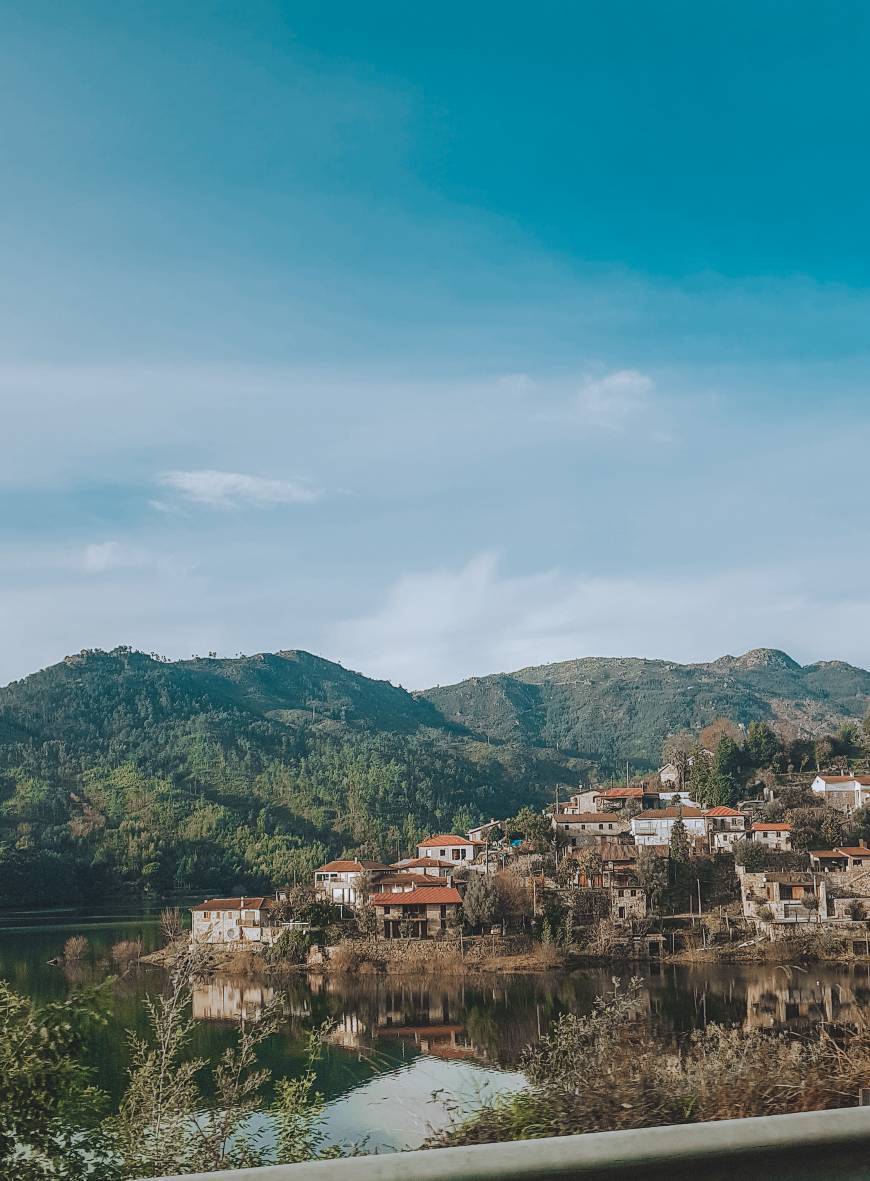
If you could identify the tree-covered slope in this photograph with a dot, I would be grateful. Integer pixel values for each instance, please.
(624, 708)
(119, 769)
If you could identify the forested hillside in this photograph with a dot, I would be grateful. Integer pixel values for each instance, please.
(120, 770)
(613, 709)
(117, 769)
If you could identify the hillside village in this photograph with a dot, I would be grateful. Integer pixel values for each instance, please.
(631, 872)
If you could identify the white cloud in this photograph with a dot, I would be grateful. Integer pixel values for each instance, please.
(114, 555)
(440, 626)
(232, 489)
(609, 403)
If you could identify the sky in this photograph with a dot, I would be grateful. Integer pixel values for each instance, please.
(439, 340)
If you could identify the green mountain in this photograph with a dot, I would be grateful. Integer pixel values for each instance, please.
(616, 708)
(119, 770)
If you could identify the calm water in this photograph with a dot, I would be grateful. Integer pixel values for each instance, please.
(405, 1053)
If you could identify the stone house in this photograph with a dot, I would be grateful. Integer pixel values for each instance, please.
(628, 899)
(782, 899)
(428, 865)
(772, 836)
(725, 827)
(419, 913)
(234, 920)
(601, 825)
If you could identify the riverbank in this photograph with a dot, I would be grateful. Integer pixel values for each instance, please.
(370, 956)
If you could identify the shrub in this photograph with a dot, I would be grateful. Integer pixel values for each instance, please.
(171, 926)
(126, 952)
(75, 949)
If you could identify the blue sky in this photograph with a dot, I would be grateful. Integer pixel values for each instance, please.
(438, 340)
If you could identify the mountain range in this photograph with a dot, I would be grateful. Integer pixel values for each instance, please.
(122, 769)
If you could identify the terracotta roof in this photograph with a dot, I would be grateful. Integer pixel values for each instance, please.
(836, 778)
(624, 793)
(350, 866)
(246, 903)
(864, 780)
(853, 850)
(421, 896)
(669, 814)
(420, 862)
(594, 818)
(722, 810)
(759, 827)
(444, 839)
(839, 854)
(394, 880)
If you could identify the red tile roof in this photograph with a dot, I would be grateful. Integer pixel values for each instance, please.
(836, 778)
(444, 839)
(839, 854)
(759, 827)
(722, 810)
(421, 896)
(246, 903)
(854, 851)
(351, 866)
(422, 862)
(624, 793)
(392, 881)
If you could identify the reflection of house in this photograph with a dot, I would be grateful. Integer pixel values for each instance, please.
(448, 848)
(772, 836)
(234, 920)
(439, 1041)
(418, 913)
(604, 825)
(654, 826)
(224, 1001)
(795, 1004)
(340, 881)
(725, 826)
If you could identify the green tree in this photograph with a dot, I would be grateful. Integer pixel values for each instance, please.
(762, 745)
(652, 875)
(50, 1112)
(679, 843)
(481, 905)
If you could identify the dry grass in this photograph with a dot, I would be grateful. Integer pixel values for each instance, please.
(602, 1072)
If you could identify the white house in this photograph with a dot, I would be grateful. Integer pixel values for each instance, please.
(655, 825)
(604, 825)
(669, 775)
(340, 881)
(482, 834)
(448, 848)
(234, 920)
(725, 827)
(773, 836)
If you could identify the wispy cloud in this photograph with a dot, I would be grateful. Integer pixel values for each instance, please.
(609, 403)
(233, 489)
(114, 555)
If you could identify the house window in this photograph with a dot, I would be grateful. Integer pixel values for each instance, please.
(206, 914)
(601, 826)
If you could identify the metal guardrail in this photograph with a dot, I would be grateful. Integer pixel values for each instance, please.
(810, 1146)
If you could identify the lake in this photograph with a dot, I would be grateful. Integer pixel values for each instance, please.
(406, 1053)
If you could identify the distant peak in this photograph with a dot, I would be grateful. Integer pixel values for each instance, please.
(760, 658)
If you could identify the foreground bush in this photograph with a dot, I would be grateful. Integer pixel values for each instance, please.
(603, 1072)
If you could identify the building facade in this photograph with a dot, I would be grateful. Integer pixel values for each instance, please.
(234, 920)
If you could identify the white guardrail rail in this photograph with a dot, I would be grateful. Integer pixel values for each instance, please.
(810, 1146)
